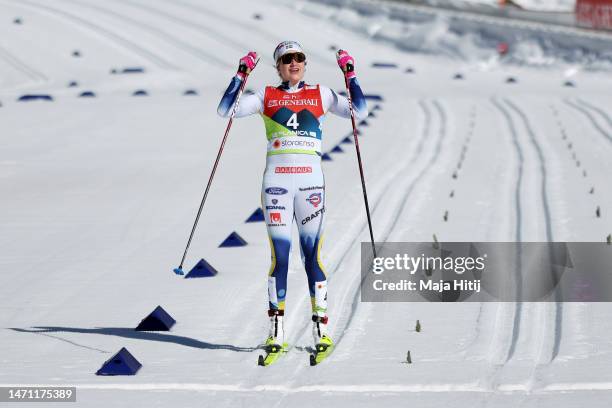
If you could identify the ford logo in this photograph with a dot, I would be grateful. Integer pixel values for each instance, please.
(276, 190)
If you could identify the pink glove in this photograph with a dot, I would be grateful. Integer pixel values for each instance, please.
(247, 64)
(346, 63)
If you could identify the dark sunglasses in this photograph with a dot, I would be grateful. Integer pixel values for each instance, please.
(297, 56)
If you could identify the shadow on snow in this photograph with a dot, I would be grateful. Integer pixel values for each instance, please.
(132, 334)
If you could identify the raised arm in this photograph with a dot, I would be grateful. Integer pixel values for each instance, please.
(339, 104)
(249, 104)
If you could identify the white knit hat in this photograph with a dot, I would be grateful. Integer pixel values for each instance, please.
(286, 47)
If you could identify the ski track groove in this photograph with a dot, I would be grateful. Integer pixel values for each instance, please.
(23, 68)
(548, 221)
(542, 166)
(395, 215)
(404, 200)
(157, 31)
(590, 117)
(601, 112)
(109, 35)
(518, 237)
(556, 329)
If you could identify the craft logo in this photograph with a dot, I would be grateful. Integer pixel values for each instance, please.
(313, 215)
(275, 217)
(276, 191)
(293, 169)
(314, 199)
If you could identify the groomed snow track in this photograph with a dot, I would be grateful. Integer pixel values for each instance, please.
(101, 193)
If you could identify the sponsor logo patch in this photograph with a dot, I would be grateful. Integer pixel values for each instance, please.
(293, 169)
(276, 190)
(292, 102)
(312, 188)
(278, 143)
(314, 199)
(274, 207)
(313, 215)
(275, 217)
(275, 201)
(276, 220)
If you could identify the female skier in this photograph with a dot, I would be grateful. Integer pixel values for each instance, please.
(293, 183)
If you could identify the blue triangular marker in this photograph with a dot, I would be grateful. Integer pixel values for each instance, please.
(202, 270)
(384, 65)
(364, 123)
(257, 216)
(347, 140)
(337, 149)
(122, 363)
(133, 70)
(157, 320)
(35, 97)
(326, 157)
(233, 240)
(371, 115)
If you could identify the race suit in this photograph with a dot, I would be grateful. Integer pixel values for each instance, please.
(293, 183)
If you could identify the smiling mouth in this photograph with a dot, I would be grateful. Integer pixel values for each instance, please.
(294, 70)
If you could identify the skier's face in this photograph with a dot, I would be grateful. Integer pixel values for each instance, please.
(292, 72)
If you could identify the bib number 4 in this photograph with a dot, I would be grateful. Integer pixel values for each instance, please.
(292, 122)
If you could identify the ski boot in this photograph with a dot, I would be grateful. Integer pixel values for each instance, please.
(274, 345)
(324, 345)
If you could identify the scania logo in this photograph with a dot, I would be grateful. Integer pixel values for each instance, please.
(276, 190)
(305, 133)
(289, 133)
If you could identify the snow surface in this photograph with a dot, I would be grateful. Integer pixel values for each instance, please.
(99, 195)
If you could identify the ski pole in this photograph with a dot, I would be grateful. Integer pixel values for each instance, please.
(350, 68)
(243, 69)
